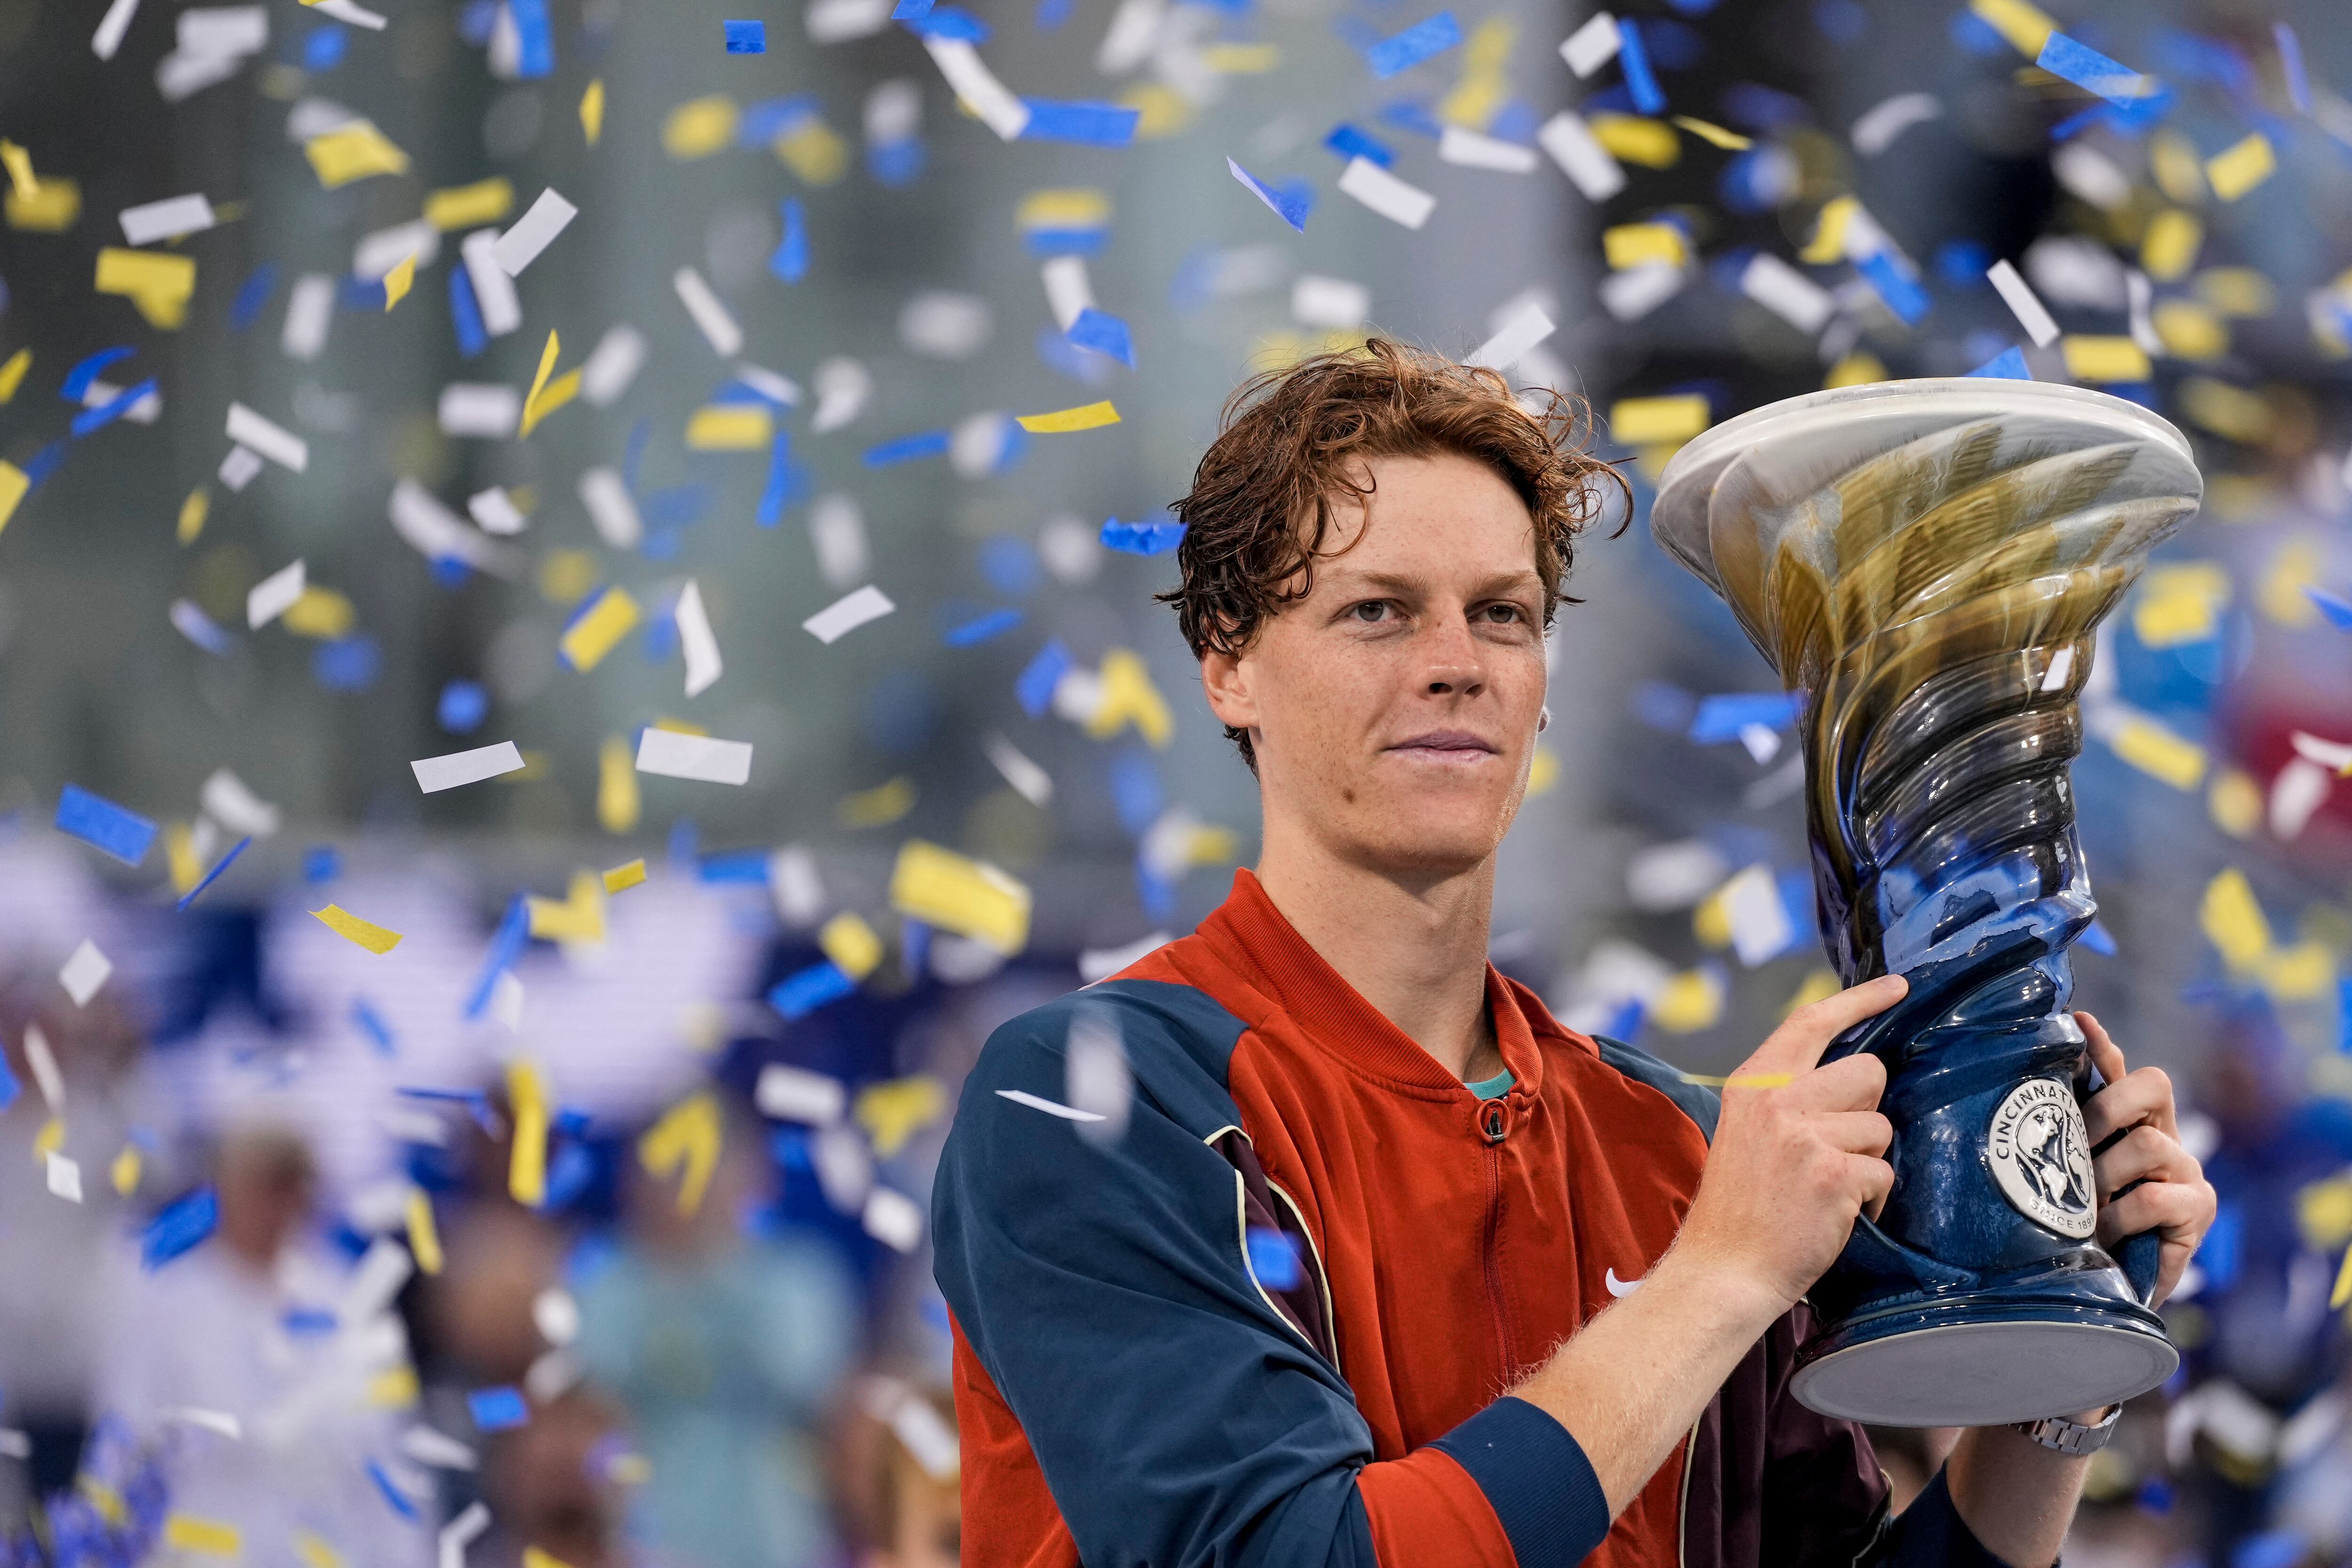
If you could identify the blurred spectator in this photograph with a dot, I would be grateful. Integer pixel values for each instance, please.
(726, 1350)
(900, 1476)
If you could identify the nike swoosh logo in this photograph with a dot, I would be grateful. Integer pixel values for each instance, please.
(1617, 1287)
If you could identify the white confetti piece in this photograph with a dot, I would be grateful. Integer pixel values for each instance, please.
(612, 364)
(85, 972)
(1050, 1107)
(894, 1219)
(228, 801)
(796, 1094)
(483, 409)
(112, 27)
(241, 467)
(1101, 963)
(1068, 291)
(1786, 292)
(219, 1421)
(847, 614)
(434, 774)
(842, 388)
(839, 21)
(1876, 131)
(274, 595)
(1031, 782)
(1510, 345)
(611, 508)
(1593, 45)
(522, 244)
(64, 1178)
(1472, 150)
(1333, 302)
(461, 1532)
(698, 757)
(494, 511)
(378, 253)
(1630, 295)
(280, 445)
(1386, 194)
(433, 531)
(43, 1061)
(977, 85)
(1134, 28)
(494, 291)
(710, 317)
(166, 219)
(310, 312)
(698, 642)
(349, 11)
(1589, 167)
(2019, 296)
(1760, 928)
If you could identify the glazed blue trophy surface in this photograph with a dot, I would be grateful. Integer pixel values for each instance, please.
(1924, 563)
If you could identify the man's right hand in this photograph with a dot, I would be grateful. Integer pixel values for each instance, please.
(1797, 1153)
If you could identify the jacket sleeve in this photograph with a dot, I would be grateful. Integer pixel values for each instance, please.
(1930, 1533)
(1102, 1285)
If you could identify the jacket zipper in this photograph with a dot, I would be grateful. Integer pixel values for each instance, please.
(1496, 1128)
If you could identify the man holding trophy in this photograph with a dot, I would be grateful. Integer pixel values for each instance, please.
(1377, 1263)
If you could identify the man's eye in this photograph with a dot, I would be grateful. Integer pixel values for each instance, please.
(1372, 611)
(1502, 614)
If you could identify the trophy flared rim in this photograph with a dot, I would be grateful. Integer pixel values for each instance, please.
(1678, 516)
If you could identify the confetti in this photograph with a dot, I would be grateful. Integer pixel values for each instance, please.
(1580, 155)
(700, 645)
(675, 756)
(711, 318)
(352, 929)
(2023, 304)
(103, 825)
(1592, 46)
(272, 441)
(523, 244)
(624, 876)
(1423, 40)
(1090, 416)
(168, 219)
(1386, 194)
(955, 893)
(598, 627)
(847, 614)
(1290, 203)
(437, 773)
(160, 286)
(2242, 167)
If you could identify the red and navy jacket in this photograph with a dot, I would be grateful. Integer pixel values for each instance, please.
(1271, 1322)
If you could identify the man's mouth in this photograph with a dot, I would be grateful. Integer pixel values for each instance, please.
(1446, 746)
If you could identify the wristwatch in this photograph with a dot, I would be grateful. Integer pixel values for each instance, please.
(2072, 1437)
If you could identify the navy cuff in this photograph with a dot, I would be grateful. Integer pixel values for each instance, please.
(1931, 1534)
(1536, 1479)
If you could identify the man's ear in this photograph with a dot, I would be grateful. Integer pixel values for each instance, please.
(1227, 686)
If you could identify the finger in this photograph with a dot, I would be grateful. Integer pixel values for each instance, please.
(1849, 1084)
(1873, 1179)
(1796, 1045)
(2142, 1153)
(2137, 1099)
(1856, 1132)
(2181, 1210)
(2106, 1055)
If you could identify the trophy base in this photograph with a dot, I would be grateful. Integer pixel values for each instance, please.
(1982, 1362)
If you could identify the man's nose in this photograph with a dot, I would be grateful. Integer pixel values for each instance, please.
(1456, 665)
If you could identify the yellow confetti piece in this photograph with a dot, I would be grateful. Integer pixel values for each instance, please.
(2179, 172)
(180, 858)
(12, 374)
(1707, 132)
(123, 1174)
(2234, 802)
(321, 613)
(545, 400)
(49, 1139)
(1242, 59)
(1543, 772)
(624, 876)
(2240, 168)
(1637, 139)
(2232, 919)
(814, 151)
(579, 917)
(600, 630)
(1129, 698)
(701, 127)
(103, 1498)
(1161, 110)
(352, 929)
(399, 281)
(354, 151)
(680, 726)
(52, 208)
(532, 1557)
(2303, 973)
(315, 1552)
(731, 427)
(14, 483)
(2169, 246)
(470, 206)
(1689, 1001)
(192, 512)
(394, 1388)
(1820, 986)
(2027, 28)
(1062, 209)
(966, 896)
(19, 164)
(591, 111)
(687, 1137)
(1858, 369)
(527, 1156)
(1479, 96)
(2240, 291)
(159, 285)
(851, 943)
(895, 1112)
(1830, 230)
(2158, 753)
(2226, 411)
(877, 807)
(2095, 359)
(617, 801)
(1635, 244)
(424, 1238)
(2343, 1291)
(2295, 567)
(2180, 602)
(2189, 331)
(187, 1532)
(2323, 1213)
(1087, 416)
(1638, 421)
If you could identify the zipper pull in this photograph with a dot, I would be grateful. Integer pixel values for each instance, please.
(1494, 1123)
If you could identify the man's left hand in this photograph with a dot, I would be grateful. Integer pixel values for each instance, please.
(2173, 1195)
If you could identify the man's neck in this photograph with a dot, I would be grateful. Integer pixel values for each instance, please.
(1414, 948)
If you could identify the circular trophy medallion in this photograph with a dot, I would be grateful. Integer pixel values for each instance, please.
(2040, 1155)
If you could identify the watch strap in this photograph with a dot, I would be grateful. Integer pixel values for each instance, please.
(2072, 1438)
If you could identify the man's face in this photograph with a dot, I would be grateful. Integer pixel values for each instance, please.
(1393, 709)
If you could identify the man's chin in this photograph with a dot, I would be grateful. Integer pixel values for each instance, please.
(1408, 843)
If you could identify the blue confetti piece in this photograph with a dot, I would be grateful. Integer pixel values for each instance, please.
(1065, 242)
(2338, 608)
(1417, 43)
(1625, 1023)
(103, 825)
(1290, 203)
(798, 995)
(9, 1087)
(1901, 292)
(746, 37)
(348, 664)
(315, 1321)
(77, 384)
(911, 10)
(1412, 116)
(909, 448)
(1034, 689)
(1721, 717)
(946, 22)
(44, 463)
(981, 628)
(2092, 72)
(375, 1025)
(252, 294)
(537, 35)
(178, 1227)
(1053, 14)
(389, 1490)
(771, 118)
(1633, 58)
(496, 1409)
(1141, 538)
(214, 876)
(466, 315)
(463, 707)
(506, 944)
(1136, 790)
(321, 863)
(2007, 365)
(894, 163)
(1010, 564)
(790, 261)
(1349, 143)
(1060, 354)
(785, 483)
(1087, 124)
(1105, 334)
(323, 47)
(2298, 80)
(659, 644)
(2098, 939)
(734, 866)
(1273, 1259)
(112, 409)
